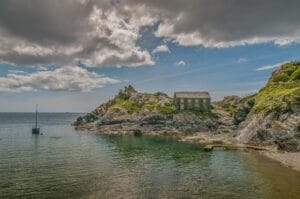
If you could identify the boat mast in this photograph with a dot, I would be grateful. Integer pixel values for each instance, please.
(36, 115)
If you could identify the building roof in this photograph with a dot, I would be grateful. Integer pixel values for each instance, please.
(204, 95)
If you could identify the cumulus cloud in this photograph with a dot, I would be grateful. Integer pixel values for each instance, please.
(161, 48)
(269, 67)
(227, 23)
(180, 63)
(67, 78)
(98, 33)
(106, 33)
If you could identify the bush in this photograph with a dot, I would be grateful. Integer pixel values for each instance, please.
(127, 105)
(295, 75)
(167, 109)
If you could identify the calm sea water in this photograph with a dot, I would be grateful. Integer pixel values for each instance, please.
(64, 163)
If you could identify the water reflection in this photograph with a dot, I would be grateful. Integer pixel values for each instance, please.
(65, 163)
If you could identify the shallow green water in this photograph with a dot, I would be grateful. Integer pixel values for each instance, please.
(64, 163)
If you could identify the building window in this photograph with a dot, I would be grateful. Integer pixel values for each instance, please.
(182, 100)
(181, 107)
(196, 100)
(189, 101)
(204, 101)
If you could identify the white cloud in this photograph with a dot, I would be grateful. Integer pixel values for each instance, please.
(219, 24)
(180, 63)
(106, 33)
(67, 78)
(269, 67)
(96, 33)
(242, 60)
(161, 48)
(17, 71)
(121, 37)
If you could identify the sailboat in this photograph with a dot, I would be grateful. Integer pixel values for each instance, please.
(36, 130)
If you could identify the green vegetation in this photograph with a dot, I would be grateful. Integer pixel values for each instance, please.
(126, 104)
(230, 108)
(296, 74)
(134, 103)
(287, 73)
(166, 109)
(274, 99)
(230, 104)
(279, 94)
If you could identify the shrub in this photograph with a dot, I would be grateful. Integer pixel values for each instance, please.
(167, 109)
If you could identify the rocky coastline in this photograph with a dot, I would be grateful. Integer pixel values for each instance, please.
(268, 120)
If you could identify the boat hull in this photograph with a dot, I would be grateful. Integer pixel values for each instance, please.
(36, 131)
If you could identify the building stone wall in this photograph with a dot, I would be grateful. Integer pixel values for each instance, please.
(185, 103)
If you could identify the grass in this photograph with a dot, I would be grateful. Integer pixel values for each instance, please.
(278, 95)
(295, 75)
(127, 105)
(124, 102)
(171, 109)
(272, 99)
(230, 108)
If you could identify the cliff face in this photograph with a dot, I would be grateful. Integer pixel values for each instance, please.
(272, 116)
(269, 118)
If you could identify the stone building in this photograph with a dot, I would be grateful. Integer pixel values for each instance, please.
(192, 101)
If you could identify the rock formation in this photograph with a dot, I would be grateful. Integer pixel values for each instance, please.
(269, 118)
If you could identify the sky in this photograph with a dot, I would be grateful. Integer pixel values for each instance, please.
(72, 55)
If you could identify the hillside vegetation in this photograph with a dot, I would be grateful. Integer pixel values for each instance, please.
(281, 92)
(280, 95)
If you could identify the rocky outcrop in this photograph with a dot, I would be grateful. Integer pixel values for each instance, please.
(270, 117)
(131, 111)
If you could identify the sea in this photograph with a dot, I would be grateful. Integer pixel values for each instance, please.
(66, 163)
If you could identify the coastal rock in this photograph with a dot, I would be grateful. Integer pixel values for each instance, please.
(242, 110)
(270, 117)
(131, 111)
(288, 144)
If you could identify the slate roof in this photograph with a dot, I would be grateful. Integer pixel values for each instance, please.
(204, 95)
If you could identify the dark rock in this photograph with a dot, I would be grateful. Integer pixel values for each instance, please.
(89, 117)
(268, 125)
(105, 121)
(242, 111)
(79, 121)
(263, 135)
(288, 144)
(137, 132)
(297, 135)
(154, 119)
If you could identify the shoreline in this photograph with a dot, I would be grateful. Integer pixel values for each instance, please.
(287, 159)
(226, 142)
(290, 160)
